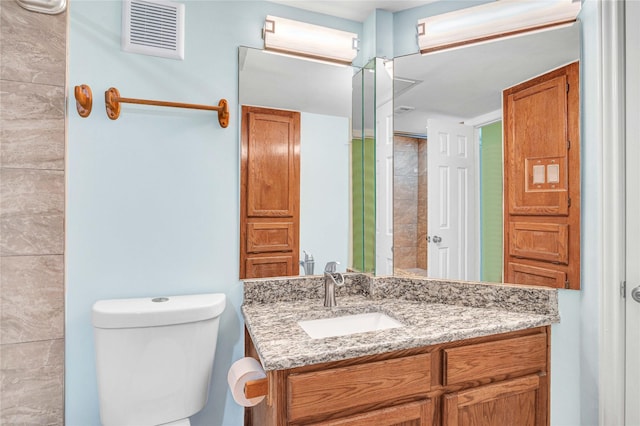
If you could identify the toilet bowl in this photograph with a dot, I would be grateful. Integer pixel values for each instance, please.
(154, 357)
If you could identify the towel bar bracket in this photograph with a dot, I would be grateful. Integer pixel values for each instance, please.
(84, 100)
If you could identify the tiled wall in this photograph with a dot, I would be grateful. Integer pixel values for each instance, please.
(409, 203)
(421, 252)
(32, 193)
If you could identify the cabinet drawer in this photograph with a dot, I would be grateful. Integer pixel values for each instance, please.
(487, 360)
(331, 391)
(415, 413)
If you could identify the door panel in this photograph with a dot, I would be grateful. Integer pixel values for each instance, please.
(271, 166)
(536, 123)
(269, 266)
(512, 402)
(534, 275)
(269, 193)
(451, 204)
(270, 236)
(540, 241)
(542, 180)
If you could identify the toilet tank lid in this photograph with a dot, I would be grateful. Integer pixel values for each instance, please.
(157, 311)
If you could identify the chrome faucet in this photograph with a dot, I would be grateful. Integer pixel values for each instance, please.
(307, 263)
(330, 283)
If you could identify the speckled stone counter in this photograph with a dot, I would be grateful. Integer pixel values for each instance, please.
(432, 312)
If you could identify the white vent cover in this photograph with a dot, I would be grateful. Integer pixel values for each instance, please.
(153, 28)
(402, 109)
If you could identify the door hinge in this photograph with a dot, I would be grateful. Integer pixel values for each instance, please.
(567, 87)
(623, 289)
(569, 202)
(568, 145)
(566, 284)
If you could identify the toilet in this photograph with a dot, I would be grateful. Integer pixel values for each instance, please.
(154, 357)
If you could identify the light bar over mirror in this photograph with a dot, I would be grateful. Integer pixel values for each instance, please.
(501, 18)
(309, 41)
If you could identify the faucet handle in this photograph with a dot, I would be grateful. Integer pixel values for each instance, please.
(331, 267)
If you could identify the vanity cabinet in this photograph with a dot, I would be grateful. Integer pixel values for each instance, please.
(494, 380)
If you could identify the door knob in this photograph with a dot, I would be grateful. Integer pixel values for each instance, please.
(436, 239)
(635, 294)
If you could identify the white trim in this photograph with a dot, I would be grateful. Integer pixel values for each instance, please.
(632, 201)
(611, 132)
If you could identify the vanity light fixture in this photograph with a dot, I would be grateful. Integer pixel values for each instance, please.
(488, 21)
(310, 41)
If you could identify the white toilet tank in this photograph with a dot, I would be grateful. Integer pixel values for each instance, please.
(154, 357)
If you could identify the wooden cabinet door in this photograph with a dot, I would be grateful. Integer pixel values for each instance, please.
(512, 402)
(542, 180)
(269, 193)
(412, 414)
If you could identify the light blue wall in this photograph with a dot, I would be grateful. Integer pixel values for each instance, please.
(152, 200)
(325, 205)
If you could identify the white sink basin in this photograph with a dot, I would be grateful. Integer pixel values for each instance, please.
(348, 324)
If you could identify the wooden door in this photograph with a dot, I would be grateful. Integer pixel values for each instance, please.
(269, 193)
(512, 402)
(542, 180)
(451, 205)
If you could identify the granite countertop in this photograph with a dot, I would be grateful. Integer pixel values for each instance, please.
(432, 312)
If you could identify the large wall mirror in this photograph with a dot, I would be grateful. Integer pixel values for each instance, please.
(460, 87)
(322, 94)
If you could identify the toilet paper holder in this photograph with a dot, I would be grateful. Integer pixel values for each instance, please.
(256, 388)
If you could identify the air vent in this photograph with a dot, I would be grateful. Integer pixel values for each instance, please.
(403, 84)
(402, 109)
(153, 28)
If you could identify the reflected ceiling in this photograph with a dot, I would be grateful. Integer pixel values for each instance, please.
(448, 81)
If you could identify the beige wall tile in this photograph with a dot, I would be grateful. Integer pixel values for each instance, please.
(26, 192)
(32, 137)
(405, 188)
(32, 144)
(404, 212)
(32, 235)
(32, 383)
(404, 257)
(31, 212)
(405, 163)
(33, 47)
(28, 101)
(31, 298)
(405, 236)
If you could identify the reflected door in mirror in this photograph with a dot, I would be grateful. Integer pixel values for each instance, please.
(269, 193)
(542, 180)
